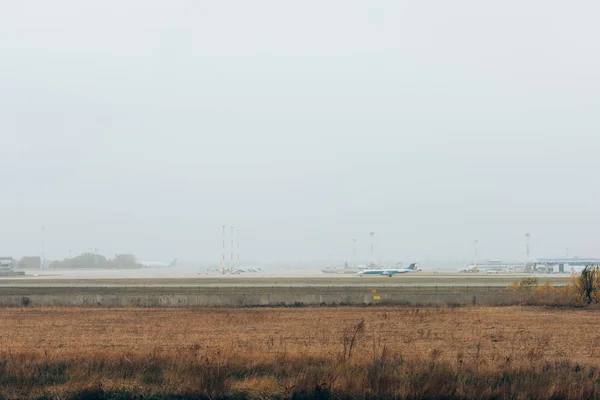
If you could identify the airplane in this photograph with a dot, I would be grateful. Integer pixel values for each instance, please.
(241, 271)
(157, 264)
(389, 272)
(493, 267)
(468, 269)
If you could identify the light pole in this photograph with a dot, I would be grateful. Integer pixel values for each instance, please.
(42, 255)
(354, 249)
(527, 247)
(476, 252)
(232, 251)
(372, 234)
(223, 262)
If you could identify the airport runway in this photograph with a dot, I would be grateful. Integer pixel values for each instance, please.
(103, 279)
(125, 289)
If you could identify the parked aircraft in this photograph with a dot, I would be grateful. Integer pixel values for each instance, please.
(494, 267)
(158, 264)
(468, 269)
(389, 272)
(241, 271)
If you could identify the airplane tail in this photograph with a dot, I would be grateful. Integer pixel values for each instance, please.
(412, 267)
(173, 263)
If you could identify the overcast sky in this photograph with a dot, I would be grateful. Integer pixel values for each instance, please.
(144, 126)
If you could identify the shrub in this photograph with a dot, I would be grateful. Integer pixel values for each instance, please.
(588, 284)
(529, 282)
(547, 294)
(544, 290)
(525, 283)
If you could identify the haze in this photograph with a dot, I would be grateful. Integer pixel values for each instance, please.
(143, 126)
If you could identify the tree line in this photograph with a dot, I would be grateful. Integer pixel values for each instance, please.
(85, 260)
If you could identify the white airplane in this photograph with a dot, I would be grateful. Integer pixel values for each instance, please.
(158, 264)
(241, 271)
(468, 269)
(494, 266)
(389, 272)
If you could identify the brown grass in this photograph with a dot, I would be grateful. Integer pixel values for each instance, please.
(474, 352)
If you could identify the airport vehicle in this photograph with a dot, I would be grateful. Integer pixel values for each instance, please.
(389, 272)
(158, 264)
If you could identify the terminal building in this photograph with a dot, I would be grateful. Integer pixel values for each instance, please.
(563, 264)
(6, 265)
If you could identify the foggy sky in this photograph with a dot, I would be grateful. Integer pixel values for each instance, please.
(143, 126)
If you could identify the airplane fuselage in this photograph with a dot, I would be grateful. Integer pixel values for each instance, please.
(383, 272)
(154, 264)
(157, 264)
(389, 272)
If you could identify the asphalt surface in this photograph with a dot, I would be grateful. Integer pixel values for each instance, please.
(424, 279)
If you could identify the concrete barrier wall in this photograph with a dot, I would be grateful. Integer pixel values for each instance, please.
(305, 296)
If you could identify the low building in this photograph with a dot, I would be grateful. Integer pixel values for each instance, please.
(7, 265)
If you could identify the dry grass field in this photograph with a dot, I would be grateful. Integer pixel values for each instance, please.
(470, 353)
